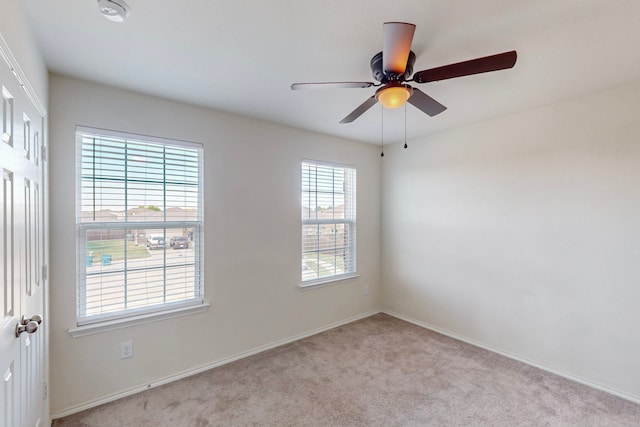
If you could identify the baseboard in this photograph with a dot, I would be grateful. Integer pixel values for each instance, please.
(206, 367)
(627, 396)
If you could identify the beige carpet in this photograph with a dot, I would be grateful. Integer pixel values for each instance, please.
(379, 371)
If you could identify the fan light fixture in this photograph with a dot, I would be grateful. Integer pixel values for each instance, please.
(393, 95)
(114, 10)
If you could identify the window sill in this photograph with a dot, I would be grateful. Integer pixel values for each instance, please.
(109, 325)
(318, 283)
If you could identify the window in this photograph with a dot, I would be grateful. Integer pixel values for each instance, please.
(139, 225)
(328, 222)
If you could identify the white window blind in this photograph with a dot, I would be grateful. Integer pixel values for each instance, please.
(328, 221)
(139, 223)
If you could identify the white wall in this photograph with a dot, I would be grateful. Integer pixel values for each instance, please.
(522, 234)
(252, 221)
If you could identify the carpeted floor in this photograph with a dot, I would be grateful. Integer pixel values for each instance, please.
(379, 371)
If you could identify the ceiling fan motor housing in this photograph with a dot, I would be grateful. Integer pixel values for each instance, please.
(381, 76)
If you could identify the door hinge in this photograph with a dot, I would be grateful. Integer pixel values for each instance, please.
(44, 153)
(45, 391)
(45, 272)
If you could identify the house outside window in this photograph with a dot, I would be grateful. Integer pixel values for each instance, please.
(139, 225)
(328, 195)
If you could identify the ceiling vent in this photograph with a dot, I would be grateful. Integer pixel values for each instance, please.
(114, 10)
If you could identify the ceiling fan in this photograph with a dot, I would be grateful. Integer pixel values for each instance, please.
(393, 67)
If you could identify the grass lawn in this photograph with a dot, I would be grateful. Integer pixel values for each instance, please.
(319, 269)
(115, 248)
(324, 267)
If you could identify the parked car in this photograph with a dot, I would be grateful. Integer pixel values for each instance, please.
(155, 242)
(179, 243)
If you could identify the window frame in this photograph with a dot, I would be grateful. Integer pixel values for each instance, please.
(349, 220)
(87, 324)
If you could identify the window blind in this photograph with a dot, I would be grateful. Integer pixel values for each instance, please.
(139, 222)
(328, 221)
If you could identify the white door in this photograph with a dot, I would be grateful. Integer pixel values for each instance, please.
(22, 230)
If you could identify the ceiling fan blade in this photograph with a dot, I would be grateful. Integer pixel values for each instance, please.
(360, 110)
(331, 85)
(425, 103)
(500, 61)
(396, 45)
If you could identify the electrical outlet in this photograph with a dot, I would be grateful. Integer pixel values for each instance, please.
(366, 290)
(126, 350)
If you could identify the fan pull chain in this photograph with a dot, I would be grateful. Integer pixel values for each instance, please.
(405, 125)
(382, 131)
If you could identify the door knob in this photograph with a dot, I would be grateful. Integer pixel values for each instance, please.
(28, 325)
(35, 318)
(29, 328)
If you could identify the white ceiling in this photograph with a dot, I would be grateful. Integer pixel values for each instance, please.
(242, 56)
